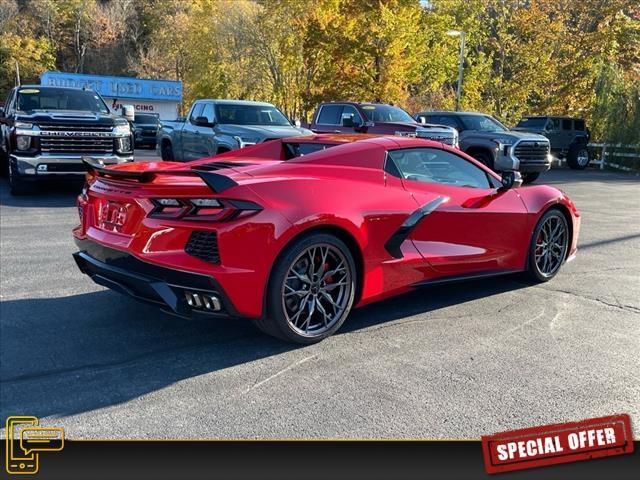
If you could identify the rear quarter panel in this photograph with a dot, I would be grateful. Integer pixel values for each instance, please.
(363, 205)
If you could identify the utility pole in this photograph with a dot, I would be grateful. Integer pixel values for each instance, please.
(458, 33)
(18, 74)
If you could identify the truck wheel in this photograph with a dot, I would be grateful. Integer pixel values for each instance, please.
(166, 151)
(484, 158)
(4, 163)
(578, 156)
(530, 177)
(17, 186)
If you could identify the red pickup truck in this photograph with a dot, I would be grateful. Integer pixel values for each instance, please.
(380, 118)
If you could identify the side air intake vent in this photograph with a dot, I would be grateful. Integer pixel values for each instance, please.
(204, 245)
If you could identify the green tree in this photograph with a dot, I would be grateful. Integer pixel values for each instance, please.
(32, 55)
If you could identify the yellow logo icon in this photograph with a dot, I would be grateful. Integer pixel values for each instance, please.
(25, 440)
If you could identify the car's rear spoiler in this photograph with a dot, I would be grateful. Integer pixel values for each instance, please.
(216, 182)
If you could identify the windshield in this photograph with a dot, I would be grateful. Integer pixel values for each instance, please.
(483, 123)
(145, 118)
(538, 123)
(386, 113)
(250, 115)
(30, 99)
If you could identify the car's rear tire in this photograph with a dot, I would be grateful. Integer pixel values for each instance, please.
(578, 156)
(311, 290)
(548, 246)
(17, 186)
(166, 151)
(530, 177)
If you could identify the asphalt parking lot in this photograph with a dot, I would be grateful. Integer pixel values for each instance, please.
(442, 362)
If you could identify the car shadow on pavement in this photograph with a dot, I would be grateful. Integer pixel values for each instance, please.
(45, 195)
(62, 356)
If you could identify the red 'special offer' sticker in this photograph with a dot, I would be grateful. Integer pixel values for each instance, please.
(559, 443)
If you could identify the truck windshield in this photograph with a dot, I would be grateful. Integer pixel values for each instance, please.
(30, 99)
(250, 115)
(538, 123)
(146, 119)
(483, 123)
(386, 113)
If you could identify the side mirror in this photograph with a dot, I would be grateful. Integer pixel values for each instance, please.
(129, 112)
(511, 179)
(347, 120)
(423, 120)
(202, 122)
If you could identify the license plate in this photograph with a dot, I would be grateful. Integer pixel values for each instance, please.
(113, 216)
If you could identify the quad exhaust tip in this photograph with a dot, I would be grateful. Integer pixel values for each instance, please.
(203, 301)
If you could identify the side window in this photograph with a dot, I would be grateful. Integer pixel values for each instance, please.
(567, 124)
(197, 111)
(330, 115)
(554, 124)
(579, 125)
(351, 111)
(432, 165)
(446, 120)
(207, 111)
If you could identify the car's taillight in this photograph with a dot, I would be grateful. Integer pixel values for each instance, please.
(210, 209)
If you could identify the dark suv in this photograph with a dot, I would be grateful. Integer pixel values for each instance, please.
(568, 137)
(145, 129)
(489, 141)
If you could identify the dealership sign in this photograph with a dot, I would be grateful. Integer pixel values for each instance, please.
(117, 87)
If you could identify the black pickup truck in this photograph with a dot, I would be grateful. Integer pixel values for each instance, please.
(45, 131)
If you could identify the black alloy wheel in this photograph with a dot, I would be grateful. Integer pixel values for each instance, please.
(311, 290)
(549, 244)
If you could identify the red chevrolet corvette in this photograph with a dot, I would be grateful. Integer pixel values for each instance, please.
(294, 233)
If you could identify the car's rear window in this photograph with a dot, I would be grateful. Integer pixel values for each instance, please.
(300, 149)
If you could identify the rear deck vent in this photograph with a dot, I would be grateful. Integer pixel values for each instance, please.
(220, 165)
(203, 245)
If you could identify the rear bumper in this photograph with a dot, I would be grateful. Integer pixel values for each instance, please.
(164, 287)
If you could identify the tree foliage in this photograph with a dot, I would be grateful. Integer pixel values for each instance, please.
(521, 57)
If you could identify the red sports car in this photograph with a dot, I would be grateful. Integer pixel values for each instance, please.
(294, 233)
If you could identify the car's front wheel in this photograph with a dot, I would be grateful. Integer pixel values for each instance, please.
(311, 290)
(548, 247)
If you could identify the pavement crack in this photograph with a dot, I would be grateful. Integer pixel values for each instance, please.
(289, 367)
(524, 324)
(619, 306)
